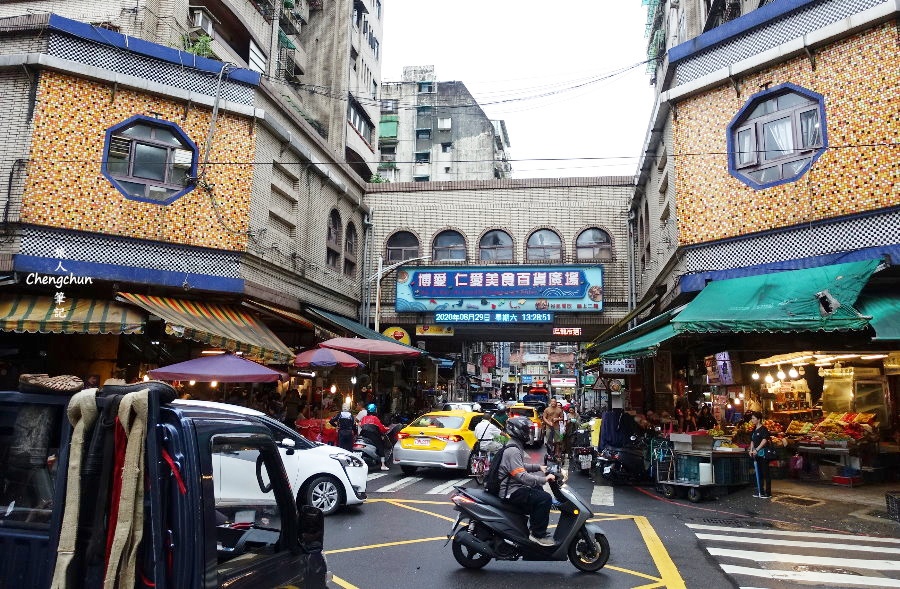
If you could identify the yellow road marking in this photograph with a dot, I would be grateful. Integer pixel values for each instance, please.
(398, 504)
(384, 545)
(409, 501)
(667, 569)
(631, 572)
(343, 583)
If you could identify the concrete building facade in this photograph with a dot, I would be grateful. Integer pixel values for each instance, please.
(435, 131)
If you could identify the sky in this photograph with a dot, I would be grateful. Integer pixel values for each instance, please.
(566, 76)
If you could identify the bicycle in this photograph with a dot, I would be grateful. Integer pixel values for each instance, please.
(481, 463)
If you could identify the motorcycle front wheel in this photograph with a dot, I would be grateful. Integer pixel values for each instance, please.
(589, 554)
(468, 557)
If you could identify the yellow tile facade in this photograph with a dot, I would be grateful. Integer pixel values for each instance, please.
(66, 188)
(860, 171)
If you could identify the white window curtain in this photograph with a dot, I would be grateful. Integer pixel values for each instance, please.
(778, 139)
(809, 128)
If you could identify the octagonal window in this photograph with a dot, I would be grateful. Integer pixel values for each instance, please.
(149, 160)
(776, 136)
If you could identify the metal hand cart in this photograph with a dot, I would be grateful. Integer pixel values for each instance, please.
(678, 469)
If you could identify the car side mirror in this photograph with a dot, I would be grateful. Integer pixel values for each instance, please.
(289, 445)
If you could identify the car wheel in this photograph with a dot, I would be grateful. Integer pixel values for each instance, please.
(408, 470)
(325, 493)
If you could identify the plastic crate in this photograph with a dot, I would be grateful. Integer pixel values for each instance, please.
(733, 470)
(687, 468)
(893, 504)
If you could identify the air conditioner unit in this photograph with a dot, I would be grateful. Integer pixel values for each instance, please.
(202, 21)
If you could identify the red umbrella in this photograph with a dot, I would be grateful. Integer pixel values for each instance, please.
(372, 347)
(221, 368)
(318, 357)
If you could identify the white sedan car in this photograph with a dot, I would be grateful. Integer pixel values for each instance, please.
(323, 476)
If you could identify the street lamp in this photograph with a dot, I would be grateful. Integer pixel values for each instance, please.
(381, 273)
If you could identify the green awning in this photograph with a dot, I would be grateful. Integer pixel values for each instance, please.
(643, 345)
(635, 332)
(812, 299)
(884, 309)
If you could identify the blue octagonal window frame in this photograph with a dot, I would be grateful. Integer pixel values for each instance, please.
(740, 120)
(176, 131)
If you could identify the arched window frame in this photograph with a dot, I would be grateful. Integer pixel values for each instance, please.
(351, 247)
(333, 240)
(455, 252)
(599, 250)
(530, 248)
(509, 249)
(394, 252)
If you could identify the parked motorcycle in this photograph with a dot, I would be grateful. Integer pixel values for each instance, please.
(369, 453)
(489, 528)
(583, 453)
(629, 464)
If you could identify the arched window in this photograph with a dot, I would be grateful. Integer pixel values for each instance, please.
(593, 244)
(496, 246)
(402, 245)
(544, 245)
(350, 250)
(333, 240)
(449, 245)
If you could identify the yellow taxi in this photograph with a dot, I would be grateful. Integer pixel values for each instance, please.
(439, 439)
(536, 435)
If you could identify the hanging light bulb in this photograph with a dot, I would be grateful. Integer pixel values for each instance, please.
(768, 378)
(146, 377)
(333, 389)
(755, 375)
(781, 375)
(737, 401)
(214, 384)
(192, 382)
(740, 395)
(793, 372)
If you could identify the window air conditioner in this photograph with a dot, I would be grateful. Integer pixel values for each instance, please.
(202, 22)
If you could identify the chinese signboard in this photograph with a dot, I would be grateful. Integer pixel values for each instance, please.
(492, 317)
(575, 288)
(624, 366)
(563, 381)
(566, 331)
(399, 334)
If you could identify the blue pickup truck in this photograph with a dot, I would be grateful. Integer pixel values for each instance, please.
(117, 483)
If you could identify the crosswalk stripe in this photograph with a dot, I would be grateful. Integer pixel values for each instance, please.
(797, 533)
(827, 579)
(602, 495)
(854, 563)
(798, 544)
(445, 487)
(397, 485)
(376, 475)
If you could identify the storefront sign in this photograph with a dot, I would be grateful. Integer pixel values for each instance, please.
(563, 381)
(527, 379)
(566, 331)
(589, 379)
(575, 288)
(426, 329)
(623, 366)
(399, 334)
(492, 317)
(488, 360)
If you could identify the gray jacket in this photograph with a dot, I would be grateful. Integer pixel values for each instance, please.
(515, 473)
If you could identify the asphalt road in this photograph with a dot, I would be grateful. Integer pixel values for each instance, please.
(397, 540)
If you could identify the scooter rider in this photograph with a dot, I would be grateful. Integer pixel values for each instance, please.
(522, 482)
(371, 428)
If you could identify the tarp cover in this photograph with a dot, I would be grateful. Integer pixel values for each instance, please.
(812, 299)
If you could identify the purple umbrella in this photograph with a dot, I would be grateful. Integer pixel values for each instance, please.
(319, 357)
(221, 368)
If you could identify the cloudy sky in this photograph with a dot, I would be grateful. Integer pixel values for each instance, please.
(566, 76)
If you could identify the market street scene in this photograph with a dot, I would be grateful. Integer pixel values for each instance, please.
(382, 293)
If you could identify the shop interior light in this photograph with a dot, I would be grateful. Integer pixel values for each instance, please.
(333, 389)
(740, 395)
(146, 377)
(213, 384)
(352, 380)
(212, 352)
(755, 375)
(192, 382)
(781, 375)
(873, 357)
(769, 378)
(737, 401)
(793, 372)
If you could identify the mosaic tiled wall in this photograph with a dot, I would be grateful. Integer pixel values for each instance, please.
(860, 171)
(66, 188)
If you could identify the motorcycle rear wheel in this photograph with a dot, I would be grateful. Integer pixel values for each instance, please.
(468, 557)
(586, 557)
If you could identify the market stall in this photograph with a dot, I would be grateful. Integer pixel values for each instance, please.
(697, 466)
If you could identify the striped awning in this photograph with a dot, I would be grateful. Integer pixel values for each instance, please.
(223, 326)
(283, 313)
(37, 314)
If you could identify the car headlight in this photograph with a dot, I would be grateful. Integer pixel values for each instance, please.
(348, 460)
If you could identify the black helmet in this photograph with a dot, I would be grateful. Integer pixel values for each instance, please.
(518, 428)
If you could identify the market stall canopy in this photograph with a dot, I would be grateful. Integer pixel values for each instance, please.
(36, 314)
(371, 347)
(812, 299)
(321, 357)
(884, 309)
(219, 367)
(642, 345)
(224, 326)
